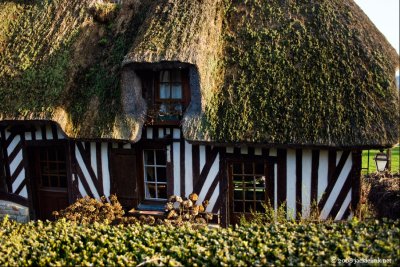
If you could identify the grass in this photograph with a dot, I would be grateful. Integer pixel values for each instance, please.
(395, 163)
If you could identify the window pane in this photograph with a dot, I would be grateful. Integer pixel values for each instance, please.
(161, 174)
(238, 194)
(149, 157)
(164, 76)
(63, 181)
(53, 181)
(150, 174)
(45, 181)
(176, 91)
(150, 190)
(248, 168)
(260, 194)
(249, 194)
(249, 181)
(176, 76)
(160, 157)
(237, 179)
(61, 154)
(52, 154)
(165, 91)
(53, 167)
(248, 206)
(238, 206)
(259, 206)
(162, 191)
(61, 167)
(237, 168)
(259, 168)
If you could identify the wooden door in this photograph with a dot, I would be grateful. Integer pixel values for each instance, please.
(124, 176)
(249, 188)
(49, 175)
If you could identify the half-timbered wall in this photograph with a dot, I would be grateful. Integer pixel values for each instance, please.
(13, 155)
(195, 167)
(89, 161)
(303, 178)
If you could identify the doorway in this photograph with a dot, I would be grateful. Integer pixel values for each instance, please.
(250, 189)
(48, 172)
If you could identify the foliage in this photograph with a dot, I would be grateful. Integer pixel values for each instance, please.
(66, 243)
(35, 56)
(382, 192)
(56, 56)
(306, 72)
(104, 11)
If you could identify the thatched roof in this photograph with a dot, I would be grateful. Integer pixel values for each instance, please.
(269, 72)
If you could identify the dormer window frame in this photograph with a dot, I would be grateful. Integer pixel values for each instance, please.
(156, 100)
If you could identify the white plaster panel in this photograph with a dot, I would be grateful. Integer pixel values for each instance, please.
(306, 183)
(344, 206)
(209, 180)
(336, 189)
(86, 174)
(188, 169)
(291, 183)
(105, 169)
(177, 168)
(322, 173)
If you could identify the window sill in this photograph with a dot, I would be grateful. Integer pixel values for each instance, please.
(151, 206)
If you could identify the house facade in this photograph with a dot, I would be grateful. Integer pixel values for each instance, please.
(246, 104)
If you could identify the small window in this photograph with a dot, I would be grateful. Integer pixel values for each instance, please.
(155, 174)
(170, 95)
(167, 94)
(52, 168)
(249, 186)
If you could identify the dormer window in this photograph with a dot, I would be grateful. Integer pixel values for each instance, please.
(170, 95)
(167, 94)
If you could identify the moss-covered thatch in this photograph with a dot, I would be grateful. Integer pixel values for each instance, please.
(61, 60)
(287, 72)
(271, 72)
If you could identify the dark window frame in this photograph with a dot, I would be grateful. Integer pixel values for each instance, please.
(268, 162)
(151, 92)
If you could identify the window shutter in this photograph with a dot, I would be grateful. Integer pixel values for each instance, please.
(123, 173)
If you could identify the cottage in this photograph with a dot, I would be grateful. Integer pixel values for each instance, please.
(244, 104)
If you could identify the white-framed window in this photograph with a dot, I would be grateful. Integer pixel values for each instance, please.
(155, 174)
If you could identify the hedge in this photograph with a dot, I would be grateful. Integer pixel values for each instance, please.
(291, 243)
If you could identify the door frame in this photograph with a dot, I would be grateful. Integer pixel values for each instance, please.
(31, 145)
(154, 144)
(269, 166)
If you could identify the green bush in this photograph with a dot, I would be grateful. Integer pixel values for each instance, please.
(66, 243)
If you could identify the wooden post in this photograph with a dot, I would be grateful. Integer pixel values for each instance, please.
(389, 156)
